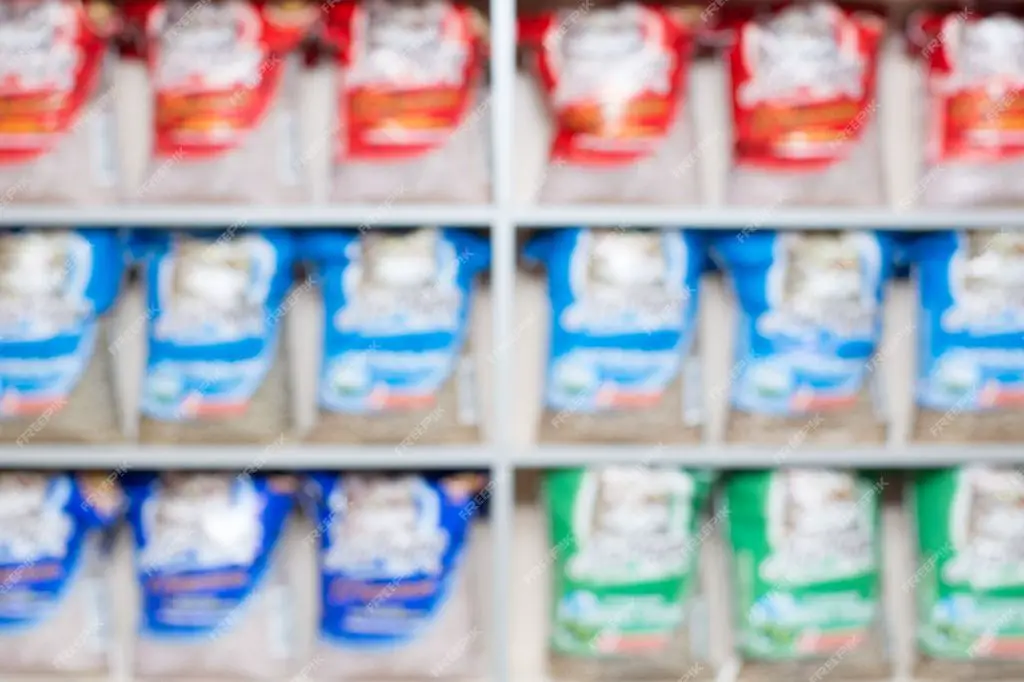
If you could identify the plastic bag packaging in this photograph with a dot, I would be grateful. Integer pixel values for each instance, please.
(806, 572)
(626, 590)
(973, 87)
(803, 105)
(56, 376)
(969, 575)
(970, 294)
(217, 366)
(397, 365)
(810, 319)
(616, 79)
(216, 588)
(412, 115)
(54, 615)
(622, 363)
(398, 577)
(57, 128)
(225, 100)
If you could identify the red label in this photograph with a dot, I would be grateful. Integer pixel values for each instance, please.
(803, 85)
(409, 78)
(214, 72)
(615, 79)
(50, 65)
(975, 76)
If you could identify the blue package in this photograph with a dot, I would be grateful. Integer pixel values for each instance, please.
(810, 318)
(397, 307)
(207, 557)
(970, 297)
(56, 285)
(214, 302)
(49, 559)
(623, 325)
(393, 560)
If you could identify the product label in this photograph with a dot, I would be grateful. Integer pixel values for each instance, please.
(971, 309)
(975, 78)
(53, 286)
(213, 72)
(624, 305)
(409, 78)
(810, 317)
(806, 553)
(396, 311)
(392, 550)
(970, 587)
(803, 86)
(214, 308)
(615, 77)
(50, 66)
(203, 546)
(45, 523)
(625, 557)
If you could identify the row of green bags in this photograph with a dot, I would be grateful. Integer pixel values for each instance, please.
(805, 572)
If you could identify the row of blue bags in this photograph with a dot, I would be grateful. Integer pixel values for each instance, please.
(218, 576)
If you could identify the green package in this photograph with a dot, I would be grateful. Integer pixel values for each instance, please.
(625, 543)
(969, 576)
(806, 572)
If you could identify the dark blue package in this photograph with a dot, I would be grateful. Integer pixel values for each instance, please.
(216, 367)
(56, 374)
(55, 610)
(397, 364)
(809, 323)
(215, 590)
(970, 336)
(398, 591)
(623, 363)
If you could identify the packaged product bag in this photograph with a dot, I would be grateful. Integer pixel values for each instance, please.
(806, 567)
(56, 363)
(616, 81)
(970, 373)
(412, 119)
(397, 577)
(626, 599)
(809, 323)
(216, 368)
(215, 586)
(970, 574)
(57, 129)
(803, 104)
(622, 362)
(973, 82)
(223, 79)
(397, 364)
(54, 610)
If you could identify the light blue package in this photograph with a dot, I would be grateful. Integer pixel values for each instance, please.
(393, 562)
(809, 319)
(215, 301)
(623, 317)
(209, 559)
(51, 568)
(396, 314)
(55, 285)
(970, 296)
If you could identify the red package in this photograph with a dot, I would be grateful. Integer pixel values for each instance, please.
(225, 99)
(974, 107)
(615, 79)
(805, 132)
(57, 128)
(411, 126)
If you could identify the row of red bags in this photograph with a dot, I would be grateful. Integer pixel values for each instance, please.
(410, 122)
(803, 103)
